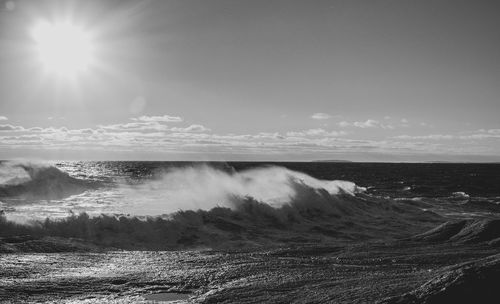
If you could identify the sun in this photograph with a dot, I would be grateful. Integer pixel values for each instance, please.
(63, 48)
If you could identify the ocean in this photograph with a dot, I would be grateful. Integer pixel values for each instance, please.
(102, 186)
(247, 232)
(303, 200)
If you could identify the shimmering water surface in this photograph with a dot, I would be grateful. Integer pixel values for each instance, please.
(158, 188)
(266, 232)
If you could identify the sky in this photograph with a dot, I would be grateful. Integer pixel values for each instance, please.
(373, 80)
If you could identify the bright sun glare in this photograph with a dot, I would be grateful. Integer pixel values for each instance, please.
(63, 48)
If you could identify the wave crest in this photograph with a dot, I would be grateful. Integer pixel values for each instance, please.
(204, 187)
(39, 181)
(263, 206)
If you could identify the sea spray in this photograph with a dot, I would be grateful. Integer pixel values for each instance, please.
(14, 172)
(39, 181)
(204, 187)
(49, 192)
(201, 205)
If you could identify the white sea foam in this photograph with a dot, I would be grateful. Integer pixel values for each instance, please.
(460, 194)
(187, 188)
(204, 187)
(12, 174)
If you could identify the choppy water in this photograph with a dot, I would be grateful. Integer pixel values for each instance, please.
(29, 191)
(298, 216)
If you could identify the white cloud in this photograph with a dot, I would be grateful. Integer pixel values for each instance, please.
(136, 126)
(9, 127)
(490, 131)
(321, 116)
(315, 132)
(151, 126)
(479, 134)
(429, 137)
(268, 135)
(164, 118)
(155, 136)
(54, 118)
(344, 124)
(191, 128)
(3, 118)
(369, 123)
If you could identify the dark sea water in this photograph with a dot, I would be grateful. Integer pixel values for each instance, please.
(99, 186)
(203, 203)
(246, 232)
(424, 179)
(405, 179)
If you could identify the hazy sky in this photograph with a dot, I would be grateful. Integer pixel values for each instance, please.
(388, 80)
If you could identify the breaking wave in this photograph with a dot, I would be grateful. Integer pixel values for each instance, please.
(202, 206)
(40, 181)
(204, 187)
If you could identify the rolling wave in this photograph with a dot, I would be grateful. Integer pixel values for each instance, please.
(39, 181)
(205, 187)
(259, 207)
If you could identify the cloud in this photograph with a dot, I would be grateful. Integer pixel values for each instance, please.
(164, 118)
(479, 134)
(369, 123)
(147, 124)
(490, 131)
(11, 128)
(268, 135)
(155, 136)
(136, 126)
(428, 137)
(321, 116)
(316, 132)
(191, 128)
(152, 126)
(3, 118)
(344, 124)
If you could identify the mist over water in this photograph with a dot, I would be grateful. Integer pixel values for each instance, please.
(31, 190)
(197, 205)
(14, 173)
(39, 191)
(204, 187)
(162, 205)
